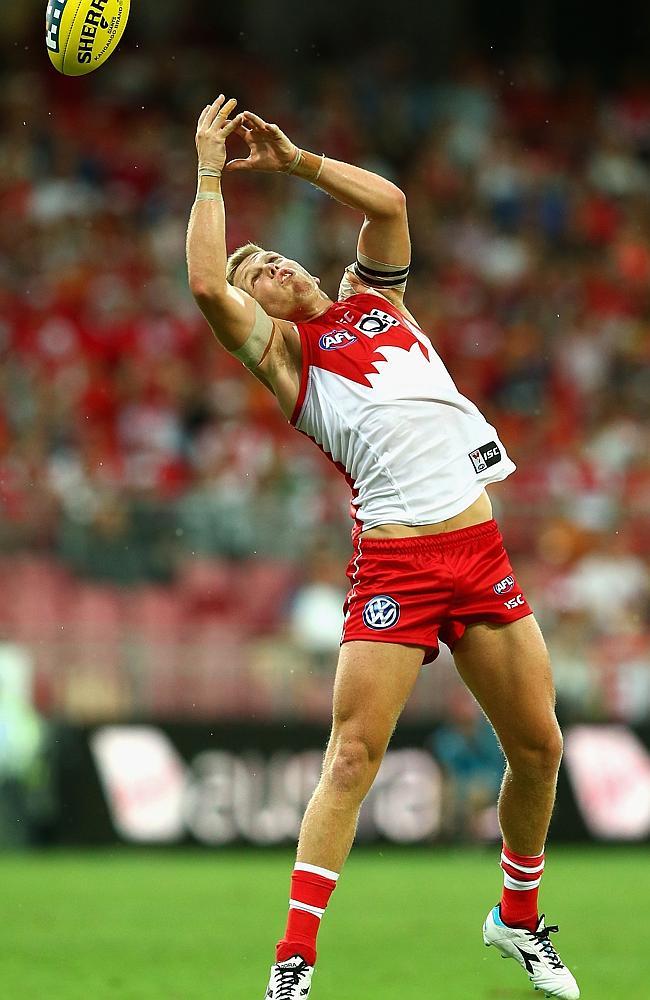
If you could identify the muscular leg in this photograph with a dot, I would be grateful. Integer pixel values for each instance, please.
(506, 667)
(373, 681)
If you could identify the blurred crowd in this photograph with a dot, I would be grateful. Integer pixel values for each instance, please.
(130, 442)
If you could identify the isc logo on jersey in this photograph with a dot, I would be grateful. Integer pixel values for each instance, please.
(335, 339)
(487, 455)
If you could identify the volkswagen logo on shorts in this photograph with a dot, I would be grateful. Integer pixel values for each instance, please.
(381, 612)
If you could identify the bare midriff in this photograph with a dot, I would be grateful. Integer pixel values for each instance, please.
(480, 510)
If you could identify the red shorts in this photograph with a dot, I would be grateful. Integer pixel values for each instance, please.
(419, 589)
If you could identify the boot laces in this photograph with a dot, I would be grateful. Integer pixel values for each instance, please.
(285, 980)
(546, 947)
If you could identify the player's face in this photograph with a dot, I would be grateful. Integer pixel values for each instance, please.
(283, 288)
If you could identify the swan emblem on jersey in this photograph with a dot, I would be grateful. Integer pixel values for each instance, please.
(381, 341)
(376, 322)
(336, 339)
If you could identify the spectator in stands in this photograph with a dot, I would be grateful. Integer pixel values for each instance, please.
(316, 617)
(473, 764)
(21, 736)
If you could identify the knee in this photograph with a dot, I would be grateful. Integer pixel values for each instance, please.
(538, 753)
(351, 766)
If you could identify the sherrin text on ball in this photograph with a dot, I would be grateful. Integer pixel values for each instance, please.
(81, 35)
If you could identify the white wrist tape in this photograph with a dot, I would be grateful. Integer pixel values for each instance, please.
(253, 350)
(320, 169)
(209, 196)
(296, 160)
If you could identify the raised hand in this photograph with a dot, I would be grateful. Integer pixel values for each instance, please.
(270, 149)
(213, 129)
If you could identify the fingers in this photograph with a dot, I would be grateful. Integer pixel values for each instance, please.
(231, 126)
(224, 113)
(238, 165)
(246, 135)
(210, 110)
(219, 111)
(255, 122)
(215, 116)
(213, 111)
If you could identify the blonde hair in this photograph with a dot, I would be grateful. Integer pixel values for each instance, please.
(237, 256)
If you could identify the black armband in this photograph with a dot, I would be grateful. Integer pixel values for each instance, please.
(378, 275)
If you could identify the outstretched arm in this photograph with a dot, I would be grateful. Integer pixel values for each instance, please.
(230, 311)
(237, 320)
(384, 236)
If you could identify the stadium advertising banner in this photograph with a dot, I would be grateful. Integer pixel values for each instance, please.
(232, 784)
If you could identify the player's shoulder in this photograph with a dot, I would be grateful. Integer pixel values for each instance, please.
(352, 285)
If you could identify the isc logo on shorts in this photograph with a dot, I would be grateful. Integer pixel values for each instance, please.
(504, 586)
(381, 612)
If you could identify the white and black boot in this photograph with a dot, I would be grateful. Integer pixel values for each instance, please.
(534, 952)
(290, 980)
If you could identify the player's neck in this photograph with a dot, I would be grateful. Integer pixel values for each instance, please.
(313, 310)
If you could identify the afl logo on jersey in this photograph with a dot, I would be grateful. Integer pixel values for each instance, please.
(336, 338)
(381, 612)
(504, 586)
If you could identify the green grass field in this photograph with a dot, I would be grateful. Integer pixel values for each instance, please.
(404, 926)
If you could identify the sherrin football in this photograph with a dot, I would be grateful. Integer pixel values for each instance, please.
(82, 34)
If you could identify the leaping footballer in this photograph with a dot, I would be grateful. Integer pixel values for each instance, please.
(357, 375)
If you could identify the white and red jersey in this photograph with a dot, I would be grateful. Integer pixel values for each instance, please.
(375, 396)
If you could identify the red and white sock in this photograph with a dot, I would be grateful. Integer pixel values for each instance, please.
(311, 888)
(521, 879)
